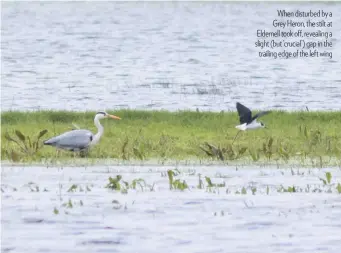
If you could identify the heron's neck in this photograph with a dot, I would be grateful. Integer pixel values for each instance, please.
(99, 132)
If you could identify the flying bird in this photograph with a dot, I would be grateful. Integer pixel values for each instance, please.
(80, 139)
(247, 122)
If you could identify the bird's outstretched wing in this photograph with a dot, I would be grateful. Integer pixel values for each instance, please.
(260, 114)
(245, 115)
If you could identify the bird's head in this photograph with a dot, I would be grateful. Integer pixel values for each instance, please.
(262, 125)
(102, 115)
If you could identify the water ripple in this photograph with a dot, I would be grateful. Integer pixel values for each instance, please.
(195, 220)
(116, 48)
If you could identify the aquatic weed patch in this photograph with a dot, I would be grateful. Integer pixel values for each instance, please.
(25, 146)
(120, 191)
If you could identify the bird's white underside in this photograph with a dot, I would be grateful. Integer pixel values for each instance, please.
(254, 125)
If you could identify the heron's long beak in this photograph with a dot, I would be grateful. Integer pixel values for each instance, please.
(113, 116)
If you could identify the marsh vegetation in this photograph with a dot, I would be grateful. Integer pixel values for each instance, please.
(308, 137)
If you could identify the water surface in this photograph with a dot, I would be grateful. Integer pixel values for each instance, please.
(196, 220)
(187, 55)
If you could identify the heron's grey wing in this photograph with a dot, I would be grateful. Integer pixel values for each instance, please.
(73, 140)
(260, 114)
(245, 115)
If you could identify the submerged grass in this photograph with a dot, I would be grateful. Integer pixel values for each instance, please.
(179, 135)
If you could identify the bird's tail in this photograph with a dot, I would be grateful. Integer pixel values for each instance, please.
(49, 142)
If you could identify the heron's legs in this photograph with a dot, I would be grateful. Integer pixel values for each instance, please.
(236, 136)
(57, 152)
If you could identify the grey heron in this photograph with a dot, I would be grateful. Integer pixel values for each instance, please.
(247, 122)
(80, 139)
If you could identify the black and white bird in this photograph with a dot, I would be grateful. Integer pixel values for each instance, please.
(247, 122)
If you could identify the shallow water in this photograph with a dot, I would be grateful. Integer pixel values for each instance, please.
(196, 220)
(187, 55)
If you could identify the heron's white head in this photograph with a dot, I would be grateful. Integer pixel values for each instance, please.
(102, 115)
(98, 116)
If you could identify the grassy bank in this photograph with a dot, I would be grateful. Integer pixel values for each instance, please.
(310, 136)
